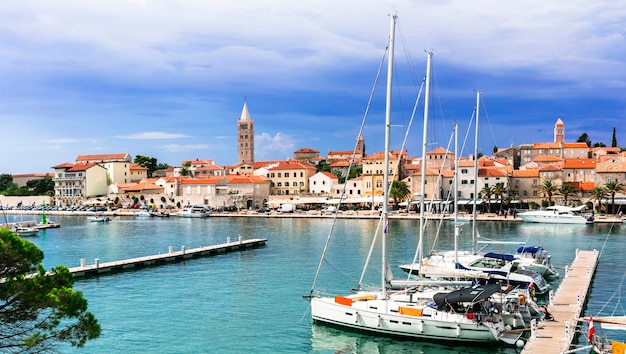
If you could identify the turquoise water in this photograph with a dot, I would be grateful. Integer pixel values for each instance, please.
(251, 302)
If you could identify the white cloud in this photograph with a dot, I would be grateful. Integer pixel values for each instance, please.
(183, 148)
(267, 147)
(62, 141)
(153, 135)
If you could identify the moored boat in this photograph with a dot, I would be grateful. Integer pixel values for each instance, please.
(558, 214)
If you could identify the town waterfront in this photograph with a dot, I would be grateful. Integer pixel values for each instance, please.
(251, 301)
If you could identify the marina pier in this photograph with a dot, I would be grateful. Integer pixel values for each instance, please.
(162, 258)
(566, 306)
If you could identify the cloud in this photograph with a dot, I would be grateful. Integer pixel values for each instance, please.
(153, 135)
(62, 141)
(279, 146)
(183, 148)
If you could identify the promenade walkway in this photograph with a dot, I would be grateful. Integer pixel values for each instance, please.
(566, 305)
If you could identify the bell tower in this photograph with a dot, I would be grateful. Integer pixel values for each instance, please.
(559, 131)
(245, 136)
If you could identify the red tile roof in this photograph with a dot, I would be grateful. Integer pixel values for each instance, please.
(101, 157)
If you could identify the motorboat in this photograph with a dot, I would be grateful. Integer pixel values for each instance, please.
(24, 231)
(192, 212)
(99, 218)
(558, 214)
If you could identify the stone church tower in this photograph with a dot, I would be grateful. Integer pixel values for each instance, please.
(559, 131)
(245, 133)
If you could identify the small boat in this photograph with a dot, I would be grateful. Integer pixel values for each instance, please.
(192, 212)
(24, 231)
(142, 214)
(99, 218)
(159, 214)
(558, 214)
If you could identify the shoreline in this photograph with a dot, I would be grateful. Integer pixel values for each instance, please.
(360, 214)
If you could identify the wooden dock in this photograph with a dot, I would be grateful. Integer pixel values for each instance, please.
(163, 258)
(566, 305)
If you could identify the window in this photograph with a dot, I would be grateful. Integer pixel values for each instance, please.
(286, 174)
(286, 184)
(279, 175)
(464, 170)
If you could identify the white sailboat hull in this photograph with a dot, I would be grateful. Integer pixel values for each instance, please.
(383, 317)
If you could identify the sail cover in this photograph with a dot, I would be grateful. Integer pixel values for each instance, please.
(471, 294)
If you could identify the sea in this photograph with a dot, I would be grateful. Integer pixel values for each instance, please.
(252, 301)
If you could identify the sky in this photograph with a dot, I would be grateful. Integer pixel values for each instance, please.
(168, 79)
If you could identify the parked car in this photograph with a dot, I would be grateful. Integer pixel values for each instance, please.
(263, 210)
(329, 209)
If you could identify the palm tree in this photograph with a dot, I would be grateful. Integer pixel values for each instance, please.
(486, 193)
(548, 188)
(566, 190)
(598, 194)
(612, 188)
(399, 192)
(500, 190)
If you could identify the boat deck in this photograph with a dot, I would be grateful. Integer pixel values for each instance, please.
(566, 306)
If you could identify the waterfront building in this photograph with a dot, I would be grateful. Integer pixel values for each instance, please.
(373, 171)
(244, 192)
(322, 183)
(290, 177)
(75, 183)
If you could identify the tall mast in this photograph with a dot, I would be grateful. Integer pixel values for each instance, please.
(420, 245)
(386, 188)
(474, 238)
(456, 186)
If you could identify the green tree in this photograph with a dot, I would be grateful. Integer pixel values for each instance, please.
(39, 310)
(549, 188)
(584, 138)
(599, 193)
(486, 193)
(340, 178)
(499, 190)
(44, 186)
(614, 139)
(185, 171)
(323, 167)
(150, 163)
(5, 181)
(355, 172)
(612, 188)
(566, 190)
(399, 192)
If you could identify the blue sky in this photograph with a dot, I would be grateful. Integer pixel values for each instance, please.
(168, 79)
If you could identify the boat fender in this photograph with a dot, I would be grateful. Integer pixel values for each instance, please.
(522, 299)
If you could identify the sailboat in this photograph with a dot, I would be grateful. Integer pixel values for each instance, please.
(410, 312)
(509, 268)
